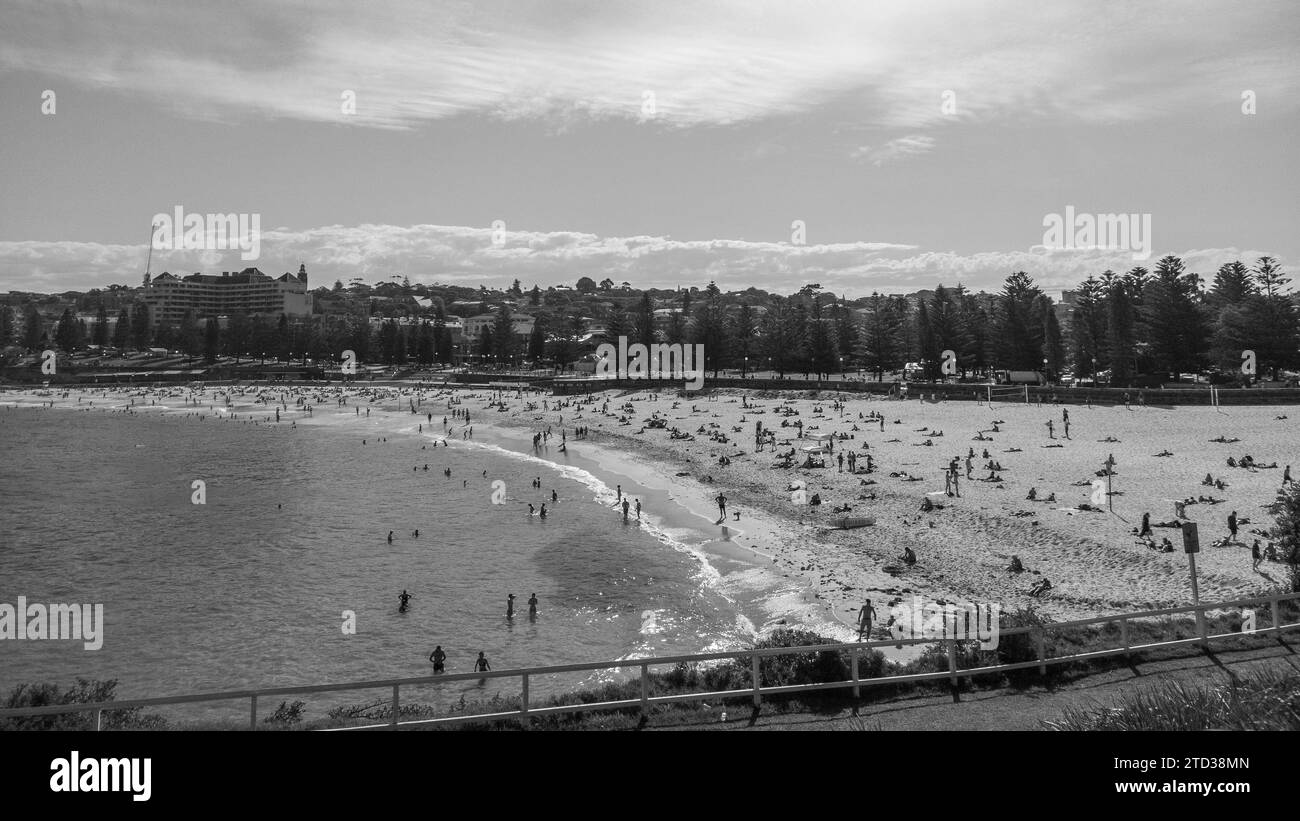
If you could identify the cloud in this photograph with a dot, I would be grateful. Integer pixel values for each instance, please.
(467, 255)
(895, 149)
(882, 64)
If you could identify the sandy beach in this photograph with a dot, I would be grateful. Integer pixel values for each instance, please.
(1093, 559)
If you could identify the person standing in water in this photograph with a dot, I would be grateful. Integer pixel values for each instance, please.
(722, 506)
(405, 599)
(439, 659)
(481, 663)
(510, 606)
(390, 537)
(626, 505)
(638, 510)
(865, 615)
(532, 606)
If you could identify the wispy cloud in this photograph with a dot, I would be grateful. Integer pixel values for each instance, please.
(881, 63)
(895, 149)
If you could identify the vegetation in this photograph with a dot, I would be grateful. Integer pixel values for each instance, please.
(1269, 700)
(1158, 322)
(86, 691)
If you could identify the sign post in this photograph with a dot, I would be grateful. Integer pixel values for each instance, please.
(1110, 470)
(1192, 546)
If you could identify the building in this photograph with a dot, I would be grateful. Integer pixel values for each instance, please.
(247, 292)
(522, 324)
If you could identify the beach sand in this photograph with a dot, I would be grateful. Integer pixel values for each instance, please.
(1092, 559)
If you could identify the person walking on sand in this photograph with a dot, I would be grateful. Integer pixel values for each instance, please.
(1146, 525)
(865, 615)
(638, 510)
(1232, 525)
(1051, 430)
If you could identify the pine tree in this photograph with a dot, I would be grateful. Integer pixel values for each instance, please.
(1120, 322)
(211, 340)
(100, 336)
(823, 357)
(1018, 326)
(535, 296)
(1053, 345)
(1088, 327)
(505, 342)
(710, 329)
(882, 344)
(33, 329)
(6, 326)
(140, 330)
(1274, 320)
(742, 335)
(122, 330)
(1176, 330)
(66, 335)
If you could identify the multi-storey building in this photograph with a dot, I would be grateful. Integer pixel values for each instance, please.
(247, 292)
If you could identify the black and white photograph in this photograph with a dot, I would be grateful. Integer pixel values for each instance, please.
(570, 369)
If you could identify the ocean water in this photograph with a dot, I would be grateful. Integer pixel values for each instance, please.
(250, 589)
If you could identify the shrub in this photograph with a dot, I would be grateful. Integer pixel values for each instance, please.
(86, 691)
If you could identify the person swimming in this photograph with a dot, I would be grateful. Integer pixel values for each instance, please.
(390, 537)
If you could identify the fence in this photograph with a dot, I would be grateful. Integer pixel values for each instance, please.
(756, 692)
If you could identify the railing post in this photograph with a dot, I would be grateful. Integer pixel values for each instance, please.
(952, 669)
(1200, 627)
(857, 691)
(524, 706)
(758, 696)
(1277, 622)
(645, 689)
(252, 714)
(1123, 634)
(396, 704)
(99, 720)
(1042, 651)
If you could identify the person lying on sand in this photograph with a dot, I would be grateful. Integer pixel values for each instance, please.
(1108, 439)
(1040, 587)
(1164, 453)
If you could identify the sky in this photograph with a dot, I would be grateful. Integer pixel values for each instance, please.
(865, 146)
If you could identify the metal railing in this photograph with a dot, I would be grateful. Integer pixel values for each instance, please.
(756, 691)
